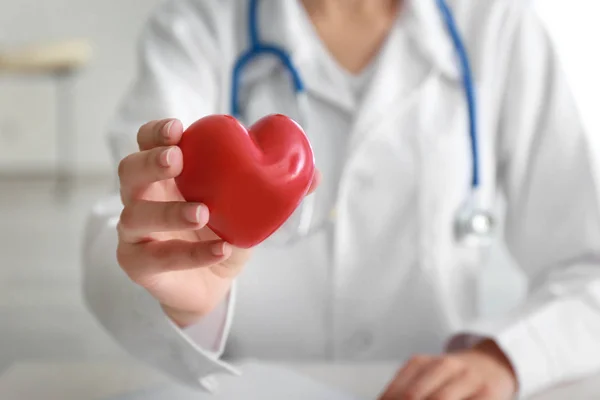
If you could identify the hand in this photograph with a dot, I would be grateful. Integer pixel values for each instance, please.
(164, 243)
(481, 373)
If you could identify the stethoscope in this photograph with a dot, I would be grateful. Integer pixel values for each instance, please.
(473, 224)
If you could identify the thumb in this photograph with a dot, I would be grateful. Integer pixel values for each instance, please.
(315, 182)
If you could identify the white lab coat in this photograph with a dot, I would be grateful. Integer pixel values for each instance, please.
(388, 279)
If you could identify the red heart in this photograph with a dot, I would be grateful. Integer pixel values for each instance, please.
(251, 181)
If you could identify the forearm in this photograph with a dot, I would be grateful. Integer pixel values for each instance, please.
(137, 321)
(187, 318)
(181, 318)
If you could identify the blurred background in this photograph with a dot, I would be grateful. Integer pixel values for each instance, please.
(55, 104)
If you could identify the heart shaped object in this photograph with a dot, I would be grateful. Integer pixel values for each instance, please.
(251, 180)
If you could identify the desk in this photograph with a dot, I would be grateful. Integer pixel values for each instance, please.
(87, 381)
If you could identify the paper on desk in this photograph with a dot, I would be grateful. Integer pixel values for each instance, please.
(258, 381)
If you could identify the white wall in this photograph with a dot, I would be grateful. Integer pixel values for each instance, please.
(26, 105)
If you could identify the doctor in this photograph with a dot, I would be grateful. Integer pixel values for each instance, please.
(421, 114)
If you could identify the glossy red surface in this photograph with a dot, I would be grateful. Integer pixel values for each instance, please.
(252, 181)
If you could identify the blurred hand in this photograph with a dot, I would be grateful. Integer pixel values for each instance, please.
(481, 373)
(164, 243)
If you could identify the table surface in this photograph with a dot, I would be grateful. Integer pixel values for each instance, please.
(101, 380)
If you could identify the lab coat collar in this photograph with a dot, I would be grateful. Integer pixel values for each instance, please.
(305, 55)
(427, 29)
(421, 19)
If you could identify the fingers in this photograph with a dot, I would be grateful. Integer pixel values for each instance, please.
(144, 261)
(141, 218)
(159, 133)
(435, 375)
(159, 157)
(138, 170)
(443, 378)
(411, 369)
(463, 386)
(480, 396)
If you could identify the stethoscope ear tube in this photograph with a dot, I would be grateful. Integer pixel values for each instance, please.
(474, 224)
(468, 86)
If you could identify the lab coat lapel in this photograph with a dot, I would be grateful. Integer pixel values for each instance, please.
(418, 48)
(290, 29)
(319, 80)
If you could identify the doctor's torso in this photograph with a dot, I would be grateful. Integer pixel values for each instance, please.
(386, 278)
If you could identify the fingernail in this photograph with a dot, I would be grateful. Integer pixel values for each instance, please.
(165, 157)
(196, 213)
(167, 129)
(221, 249)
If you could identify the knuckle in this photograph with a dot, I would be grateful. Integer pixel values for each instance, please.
(471, 375)
(450, 363)
(127, 263)
(139, 275)
(411, 394)
(196, 253)
(171, 213)
(123, 167)
(151, 159)
(125, 260)
(126, 219)
(122, 256)
(151, 133)
(161, 256)
(145, 130)
(418, 360)
(120, 231)
(147, 126)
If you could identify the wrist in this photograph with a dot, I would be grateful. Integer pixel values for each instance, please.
(490, 349)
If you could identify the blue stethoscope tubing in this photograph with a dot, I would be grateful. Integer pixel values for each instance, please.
(470, 220)
(469, 88)
(258, 48)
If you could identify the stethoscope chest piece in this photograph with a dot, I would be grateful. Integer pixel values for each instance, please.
(474, 226)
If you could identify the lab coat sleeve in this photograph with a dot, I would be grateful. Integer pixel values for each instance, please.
(135, 319)
(175, 79)
(553, 220)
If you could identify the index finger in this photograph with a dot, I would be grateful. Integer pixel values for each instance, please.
(411, 369)
(159, 133)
